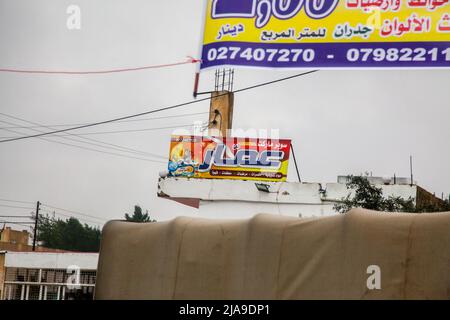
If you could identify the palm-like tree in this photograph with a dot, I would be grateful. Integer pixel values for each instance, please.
(138, 216)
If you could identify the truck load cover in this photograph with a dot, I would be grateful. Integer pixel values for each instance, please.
(274, 257)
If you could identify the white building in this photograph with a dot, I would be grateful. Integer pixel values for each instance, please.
(48, 276)
(242, 199)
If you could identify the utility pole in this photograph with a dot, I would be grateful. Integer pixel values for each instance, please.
(222, 101)
(38, 204)
(411, 168)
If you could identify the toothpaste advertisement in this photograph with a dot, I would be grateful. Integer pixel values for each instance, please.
(229, 158)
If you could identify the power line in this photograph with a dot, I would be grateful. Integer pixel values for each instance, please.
(155, 110)
(99, 123)
(17, 201)
(16, 223)
(189, 61)
(94, 142)
(14, 207)
(121, 131)
(275, 81)
(75, 140)
(116, 131)
(24, 217)
(124, 121)
(65, 216)
(73, 212)
(99, 221)
(115, 146)
(96, 150)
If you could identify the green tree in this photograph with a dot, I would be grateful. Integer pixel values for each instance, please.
(138, 216)
(368, 196)
(67, 234)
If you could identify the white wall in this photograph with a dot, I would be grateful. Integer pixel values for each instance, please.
(43, 260)
(338, 190)
(243, 210)
(241, 199)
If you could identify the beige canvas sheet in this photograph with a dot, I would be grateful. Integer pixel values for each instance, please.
(273, 257)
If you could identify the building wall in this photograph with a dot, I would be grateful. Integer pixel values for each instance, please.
(48, 276)
(308, 205)
(337, 191)
(4, 246)
(50, 260)
(427, 199)
(15, 237)
(2, 273)
(48, 284)
(13, 240)
(241, 199)
(245, 210)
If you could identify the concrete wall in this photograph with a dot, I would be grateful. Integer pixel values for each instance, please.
(427, 199)
(5, 246)
(15, 237)
(2, 273)
(244, 210)
(13, 240)
(337, 191)
(236, 190)
(379, 180)
(41, 260)
(241, 199)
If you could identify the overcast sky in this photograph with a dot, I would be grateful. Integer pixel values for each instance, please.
(341, 122)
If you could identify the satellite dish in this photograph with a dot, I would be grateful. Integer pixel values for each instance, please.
(386, 179)
(163, 174)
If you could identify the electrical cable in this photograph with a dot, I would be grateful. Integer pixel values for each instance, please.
(20, 217)
(97, 143)
(124, 121)
(17, 201)
(15, 207)
(17, 223)
(73, 212)
(155, 110)
(46, 210)
(64, 216)
(89, 143)
(120, 131)
(95, 150)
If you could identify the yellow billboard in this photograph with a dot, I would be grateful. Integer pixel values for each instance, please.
(326, 33)
(229, 158)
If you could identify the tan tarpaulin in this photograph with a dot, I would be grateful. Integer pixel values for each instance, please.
(273, 257)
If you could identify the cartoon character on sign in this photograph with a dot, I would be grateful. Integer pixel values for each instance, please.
(181, 162)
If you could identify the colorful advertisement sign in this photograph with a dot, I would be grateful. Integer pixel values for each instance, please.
(229, 158)
(327, 33)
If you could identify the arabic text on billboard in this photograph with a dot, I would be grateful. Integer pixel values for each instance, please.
(327, 33)
(229, 158)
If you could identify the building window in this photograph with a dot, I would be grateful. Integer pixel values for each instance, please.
(46, 284)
